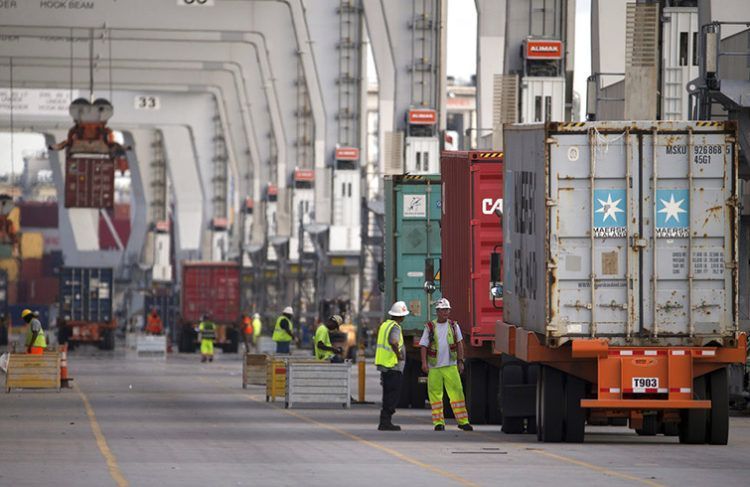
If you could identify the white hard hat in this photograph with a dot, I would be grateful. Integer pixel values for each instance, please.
(443, 303)
(288, 310)
(399, 309)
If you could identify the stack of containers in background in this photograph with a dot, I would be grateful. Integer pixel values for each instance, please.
(41, 256)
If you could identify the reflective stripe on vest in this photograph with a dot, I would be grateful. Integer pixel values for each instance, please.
(432, 350)
(384, 354)
(208, 330)
(40, 341)
(279, 335)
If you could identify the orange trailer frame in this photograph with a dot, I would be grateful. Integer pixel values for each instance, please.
(613, 369)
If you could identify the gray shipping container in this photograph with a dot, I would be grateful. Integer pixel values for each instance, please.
(623, 230)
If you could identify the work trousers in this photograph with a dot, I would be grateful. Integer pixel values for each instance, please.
(447, 377)
(207, 347)
(391, 382)
(282, 347)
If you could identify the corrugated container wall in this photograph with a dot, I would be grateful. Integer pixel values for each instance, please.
(11, 267)
(89, 183)
(412, 223)
(35, 214)
(622, 230)
(212, 287)
(471, 231)
(86, 294)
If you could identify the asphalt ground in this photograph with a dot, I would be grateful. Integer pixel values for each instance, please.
(146, 422)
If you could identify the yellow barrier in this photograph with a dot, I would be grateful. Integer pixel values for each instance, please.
(27, 371)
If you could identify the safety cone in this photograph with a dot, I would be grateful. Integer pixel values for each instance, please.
(64, 379)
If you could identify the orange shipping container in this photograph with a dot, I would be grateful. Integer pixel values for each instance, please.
(11, 267)
(32, 245)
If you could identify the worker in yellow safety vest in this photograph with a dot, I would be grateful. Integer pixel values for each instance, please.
(390, 357)
(323, 348)
(283, 332)
(36, 342)
(257, 328)
(442, 351)
(207, 331)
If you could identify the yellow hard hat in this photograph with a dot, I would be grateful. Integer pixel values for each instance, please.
(26, 313)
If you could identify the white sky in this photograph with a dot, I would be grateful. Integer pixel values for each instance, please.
(461, 60)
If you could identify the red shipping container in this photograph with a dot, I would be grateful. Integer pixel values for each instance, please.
(89, 182)
(471, 230)
(107, 240)
(212, 287)
(42, 291)
(36, 214)
(13, 293)
(31, 269)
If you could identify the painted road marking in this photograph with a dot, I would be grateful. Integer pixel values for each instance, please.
(101, 441)
(372, 444)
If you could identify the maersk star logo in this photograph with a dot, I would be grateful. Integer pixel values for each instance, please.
(610, 213)
(672, 213)
(672, 208)
(610, 208)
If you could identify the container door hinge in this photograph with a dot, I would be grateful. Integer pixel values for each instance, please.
(551, 140)
(550, 202)
(578, 305)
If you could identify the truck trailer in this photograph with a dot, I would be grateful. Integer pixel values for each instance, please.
(621, 272)
(211, 288)
(86, 299)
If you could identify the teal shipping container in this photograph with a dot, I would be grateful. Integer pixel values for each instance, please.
(412, 247)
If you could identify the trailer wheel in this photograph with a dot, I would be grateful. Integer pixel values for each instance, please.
(575, 416)
(511, 375)
(532, 377)
(549, 413)
(671, 429)
(476, 391)
(62, 334)
(494, 414)
(718, 416)
(693, 423)
(186, 340)
(650, 426)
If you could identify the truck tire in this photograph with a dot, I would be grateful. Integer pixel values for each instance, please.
(670, 429)
(693, 421)
(233, 341)
(550, 392)
(532, 377)
(3, 335)
(650, 426)
(62, 335)
(575, 416)
(494, 415)
(108, 340)
(510, 375)
(718, 416)
(476, 391)
(186, 340)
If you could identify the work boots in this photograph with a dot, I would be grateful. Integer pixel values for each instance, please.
(388, 427)
(466, 427)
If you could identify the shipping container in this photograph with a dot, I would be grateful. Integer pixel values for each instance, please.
(15, 310)
(51, 263)
(621, 273)
(32, 245)
(86, 306)
(213, 288)
(89, 181)
(473, 203)
(38, 214)
(31, 269)
(11, 267)
(6, 250)
(39, 291)
(472, 185)
(412, 246)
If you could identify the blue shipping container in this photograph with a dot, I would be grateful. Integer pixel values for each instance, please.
(15, 314)
(86, 294)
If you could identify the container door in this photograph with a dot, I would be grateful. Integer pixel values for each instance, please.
(687, 219)
(593, 199)
(417, 238)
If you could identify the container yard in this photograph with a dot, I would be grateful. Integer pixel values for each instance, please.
(409, 242)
